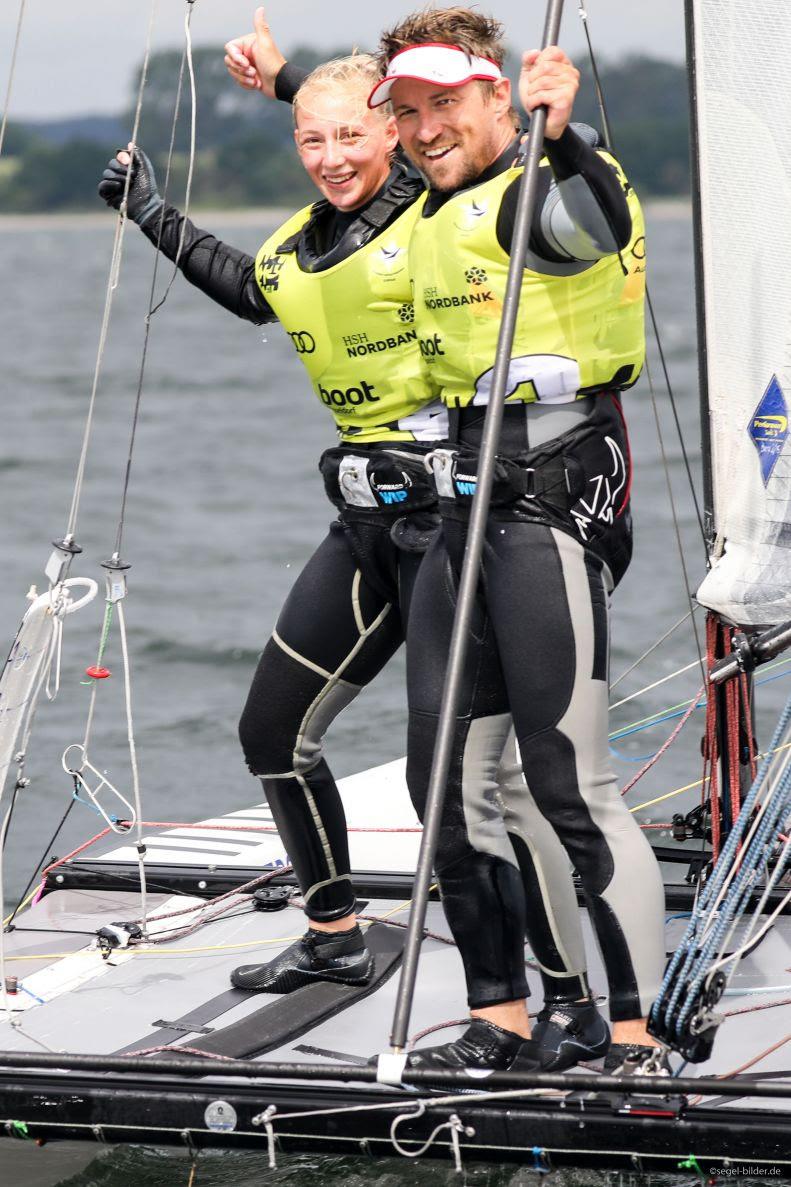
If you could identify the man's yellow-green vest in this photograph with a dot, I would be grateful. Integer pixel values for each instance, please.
(352, 326)
(575, 334)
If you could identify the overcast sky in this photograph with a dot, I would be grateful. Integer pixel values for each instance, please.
(78, 57)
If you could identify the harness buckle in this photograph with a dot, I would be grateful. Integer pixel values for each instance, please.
(530, 482)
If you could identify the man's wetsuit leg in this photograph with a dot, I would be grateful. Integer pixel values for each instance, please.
(481, 876)
(334, 634)
(548, 601)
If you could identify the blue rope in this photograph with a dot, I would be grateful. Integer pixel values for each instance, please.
(690, 964)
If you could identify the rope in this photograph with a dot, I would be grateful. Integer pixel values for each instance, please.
(130, 734)
(663, 748)
(725, 895)
(11, 73)
(186, 58)
(112, 284)
(711, 746)
(117, 592)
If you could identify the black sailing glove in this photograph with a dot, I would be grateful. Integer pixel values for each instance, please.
(143, 201)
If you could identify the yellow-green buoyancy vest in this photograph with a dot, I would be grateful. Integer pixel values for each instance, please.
(574, 333)
(352, 326)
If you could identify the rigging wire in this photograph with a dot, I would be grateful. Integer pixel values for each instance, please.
(186, 59)
(112, 284)
(608, 141)
(606, 128)
(117, 585)
(11, 73)
(662, 639)
(662, 680)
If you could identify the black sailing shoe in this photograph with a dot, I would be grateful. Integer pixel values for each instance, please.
(631, 1059)
(317, 956)
(482, 1047)
(568, 1032)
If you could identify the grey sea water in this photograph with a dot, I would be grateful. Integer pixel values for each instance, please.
(225, 505)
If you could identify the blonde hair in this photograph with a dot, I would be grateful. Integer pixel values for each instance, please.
(354, 76)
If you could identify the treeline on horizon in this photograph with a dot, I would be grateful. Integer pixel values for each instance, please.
(246, 153)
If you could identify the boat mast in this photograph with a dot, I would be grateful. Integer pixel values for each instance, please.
(700, 295)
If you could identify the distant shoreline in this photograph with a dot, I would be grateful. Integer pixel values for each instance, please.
(100, 219)
(659, 208)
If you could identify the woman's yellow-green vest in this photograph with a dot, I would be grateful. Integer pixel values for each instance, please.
(352, 326)
(575, 334)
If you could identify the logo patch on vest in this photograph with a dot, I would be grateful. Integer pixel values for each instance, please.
(269, 273)
(346, 397)
(304, 343)
(469, 214)
(389, 261)
(769, 428)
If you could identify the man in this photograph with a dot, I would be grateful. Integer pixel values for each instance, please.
(559, 532)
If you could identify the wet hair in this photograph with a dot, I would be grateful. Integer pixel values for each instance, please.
(471, 31)
(354, 76)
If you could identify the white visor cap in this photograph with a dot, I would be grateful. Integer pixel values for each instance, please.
(445, 65)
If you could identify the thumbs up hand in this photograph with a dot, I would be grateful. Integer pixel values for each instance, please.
(254, 61)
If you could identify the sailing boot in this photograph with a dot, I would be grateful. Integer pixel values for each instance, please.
(568, 1032)
(483, 1047)
(317, 956)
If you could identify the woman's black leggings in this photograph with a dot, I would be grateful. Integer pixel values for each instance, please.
(337, 630)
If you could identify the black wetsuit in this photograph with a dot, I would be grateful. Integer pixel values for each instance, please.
(538, 655)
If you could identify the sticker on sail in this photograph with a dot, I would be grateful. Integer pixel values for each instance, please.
(769, 428)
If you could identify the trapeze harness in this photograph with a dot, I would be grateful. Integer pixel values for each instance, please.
(558, 539)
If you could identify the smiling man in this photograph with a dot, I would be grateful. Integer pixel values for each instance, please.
(559, 531)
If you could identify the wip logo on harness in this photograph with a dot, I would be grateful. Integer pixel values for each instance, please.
(465, 484)
(340, 397)
(391, 492)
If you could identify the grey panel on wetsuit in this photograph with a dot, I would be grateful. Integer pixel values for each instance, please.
(550, 860)
(585, 724)
(574, 223)
(497, 802)
(545, 422)
(479, 786)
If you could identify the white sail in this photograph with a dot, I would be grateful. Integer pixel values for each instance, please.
(742, 56)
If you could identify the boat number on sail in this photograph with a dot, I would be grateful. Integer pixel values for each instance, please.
(769, 427)
(220, 1117)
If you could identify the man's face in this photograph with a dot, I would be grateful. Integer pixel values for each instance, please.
(452, 134)
(344, 147)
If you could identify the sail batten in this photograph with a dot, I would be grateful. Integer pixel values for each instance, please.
(744, 172)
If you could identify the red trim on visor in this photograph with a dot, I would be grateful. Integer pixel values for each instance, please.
(391, 78)
(436, 45)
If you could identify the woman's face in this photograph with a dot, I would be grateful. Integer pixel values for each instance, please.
(344, 147)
